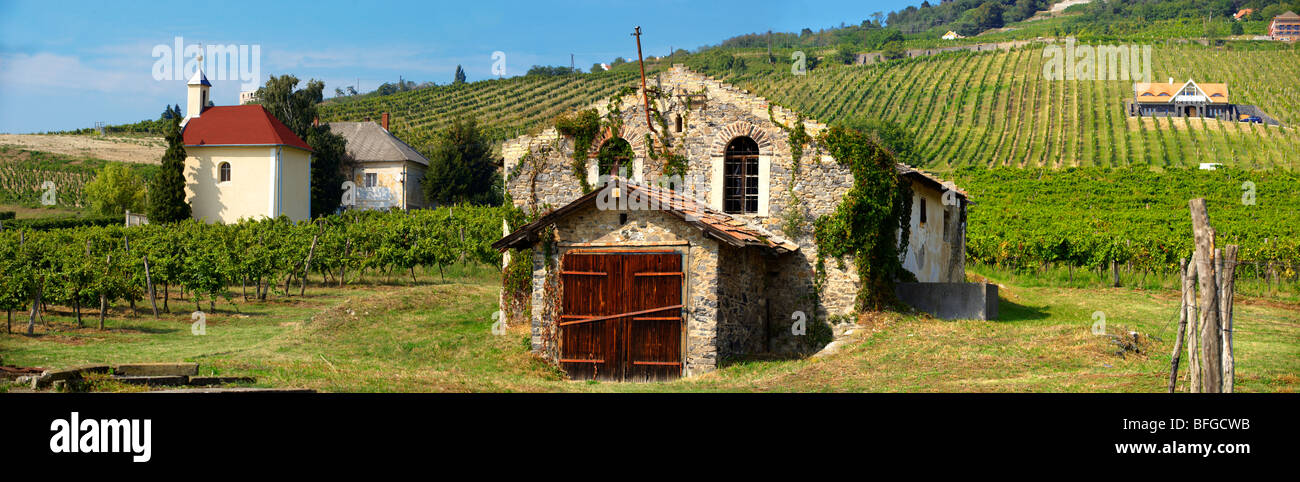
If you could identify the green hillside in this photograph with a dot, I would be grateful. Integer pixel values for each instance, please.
(966, 109)
(996, 108)
(506, 107)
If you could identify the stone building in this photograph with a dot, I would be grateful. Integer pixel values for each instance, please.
(652, 277)
(388, 172)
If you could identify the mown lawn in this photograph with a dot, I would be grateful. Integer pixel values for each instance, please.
(436, 336)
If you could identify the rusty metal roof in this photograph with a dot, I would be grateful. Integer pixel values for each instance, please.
(729, 229)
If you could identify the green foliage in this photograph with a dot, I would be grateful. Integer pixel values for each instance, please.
(506, 108)
(551, 71)
(297, 109)
(329, 162)
(616, 150)
(676, 165)
(61, 222)
(77, 265)
(1088, 217)
(582, 126)
(845, 54)
(459, 78)
(871, 219)
(167, 190)
(462, 169)
(115, 190)
(991, 108)
(23, 173)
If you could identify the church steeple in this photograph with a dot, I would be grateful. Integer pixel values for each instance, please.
(198, 92)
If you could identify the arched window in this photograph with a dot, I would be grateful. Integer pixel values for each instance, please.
(223, 172)
(615, 151)
(740, 176)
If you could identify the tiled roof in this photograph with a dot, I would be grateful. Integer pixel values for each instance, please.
(1288, 15)
(239, 125)
(368, 142)
(1165, 92)
(722, 226)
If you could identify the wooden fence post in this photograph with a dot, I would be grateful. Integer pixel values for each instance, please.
(1182, 326)
(148, 282)
(1193, 328)
(1226, 287)
(1211, 372)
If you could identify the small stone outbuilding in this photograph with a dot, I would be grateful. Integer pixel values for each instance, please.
(642, 279)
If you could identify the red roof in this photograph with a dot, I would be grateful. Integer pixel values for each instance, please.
(239, 125)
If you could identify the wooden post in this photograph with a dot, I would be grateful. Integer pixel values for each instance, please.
(306, 267)
(1211, 372)
(1226, 286)
(148, 283)
(103, 300)
(343, 263)
(1193, 332)
(1182, 326)
(36, 307)
(1114, 272)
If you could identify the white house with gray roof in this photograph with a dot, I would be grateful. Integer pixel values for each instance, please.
(388, 171)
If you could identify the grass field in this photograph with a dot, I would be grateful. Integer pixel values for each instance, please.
(435, 336)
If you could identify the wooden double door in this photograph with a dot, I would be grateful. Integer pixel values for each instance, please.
(621, 315)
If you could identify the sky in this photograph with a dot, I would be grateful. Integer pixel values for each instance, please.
(68, 65)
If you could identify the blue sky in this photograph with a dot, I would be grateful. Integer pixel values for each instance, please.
(67, 65)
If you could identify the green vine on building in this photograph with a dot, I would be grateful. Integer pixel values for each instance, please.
(872, 222)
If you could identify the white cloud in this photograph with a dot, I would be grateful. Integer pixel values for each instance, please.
(47, 73)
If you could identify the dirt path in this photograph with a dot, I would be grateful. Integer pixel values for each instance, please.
(148, 150)
(1060, 7)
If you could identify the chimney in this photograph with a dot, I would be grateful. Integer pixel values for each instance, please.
(384, 121)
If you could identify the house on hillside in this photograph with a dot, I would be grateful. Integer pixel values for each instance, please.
(1285, 27)
(1243, 13)
(242, 162)
(1192, 99)
(389, 172)
(639, 280)
(951, 35)
(1187, 99)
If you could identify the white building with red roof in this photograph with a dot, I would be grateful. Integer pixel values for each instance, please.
(242, 162)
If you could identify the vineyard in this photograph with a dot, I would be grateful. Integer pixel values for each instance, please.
(24, 172)
(995, 108)
(504, 107)
(76, 267)
(1087, 218)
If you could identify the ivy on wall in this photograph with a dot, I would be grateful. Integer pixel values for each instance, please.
(582, 126)
(872, 222)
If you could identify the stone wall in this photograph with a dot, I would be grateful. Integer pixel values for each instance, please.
(594, 228)
(546, 179)
(758, 296)
(742, 302)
